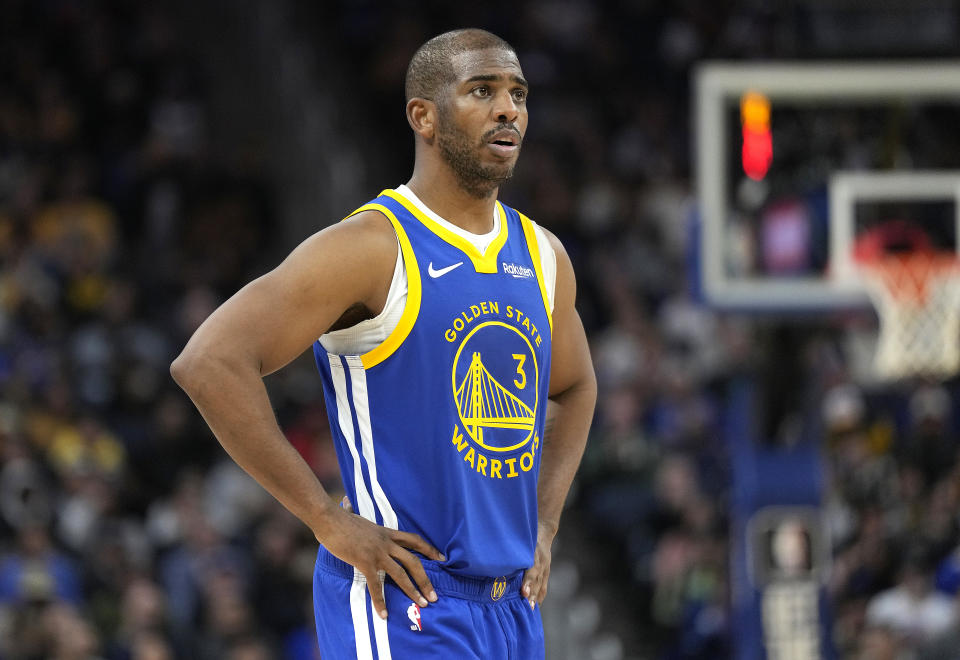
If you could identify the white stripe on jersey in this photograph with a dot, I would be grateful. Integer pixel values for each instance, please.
(364, 503)
(362, 406)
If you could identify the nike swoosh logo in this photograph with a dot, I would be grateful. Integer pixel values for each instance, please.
(443, 271)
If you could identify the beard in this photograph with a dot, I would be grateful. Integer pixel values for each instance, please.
(463, 156)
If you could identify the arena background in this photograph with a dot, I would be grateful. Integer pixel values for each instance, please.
(154, 157)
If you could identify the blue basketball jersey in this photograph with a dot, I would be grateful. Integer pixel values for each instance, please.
(438, 430)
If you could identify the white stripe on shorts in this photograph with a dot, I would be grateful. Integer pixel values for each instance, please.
(358, 610)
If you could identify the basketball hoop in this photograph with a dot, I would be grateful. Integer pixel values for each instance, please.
(916, 291)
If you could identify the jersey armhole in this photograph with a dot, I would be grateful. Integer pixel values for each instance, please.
(530, 235)
(368, 334)
(412, 307)
(548, 263)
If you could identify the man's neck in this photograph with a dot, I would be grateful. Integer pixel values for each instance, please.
(443, 195)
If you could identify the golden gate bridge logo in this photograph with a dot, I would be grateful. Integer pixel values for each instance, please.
(488, 404)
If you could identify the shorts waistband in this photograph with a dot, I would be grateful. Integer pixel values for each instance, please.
(482, 590)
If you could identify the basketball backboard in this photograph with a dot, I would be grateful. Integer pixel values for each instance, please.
(852, 145)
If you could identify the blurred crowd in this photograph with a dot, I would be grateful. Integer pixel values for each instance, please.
(125, 532)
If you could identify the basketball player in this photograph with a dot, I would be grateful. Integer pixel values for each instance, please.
(446, 321)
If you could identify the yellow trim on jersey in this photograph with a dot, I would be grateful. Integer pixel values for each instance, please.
(534, 248)
(412, 307)
(482, 263)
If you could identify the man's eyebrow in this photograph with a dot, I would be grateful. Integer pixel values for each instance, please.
(495, 77)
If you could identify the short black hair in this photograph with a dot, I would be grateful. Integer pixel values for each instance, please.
(431, 67)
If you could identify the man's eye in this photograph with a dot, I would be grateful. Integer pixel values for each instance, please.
(482, 91)
(520, 95)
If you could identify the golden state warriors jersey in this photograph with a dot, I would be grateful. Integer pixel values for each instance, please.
(438, 430)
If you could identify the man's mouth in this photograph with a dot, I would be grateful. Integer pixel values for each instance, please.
(507, 137)
(505, 142)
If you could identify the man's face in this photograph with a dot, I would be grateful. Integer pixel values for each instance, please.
(482, 118)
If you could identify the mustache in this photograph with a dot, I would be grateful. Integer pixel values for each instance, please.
(503, 127)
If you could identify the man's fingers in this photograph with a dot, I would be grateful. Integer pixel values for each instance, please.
(415, 569)
(534, 585)
(416, 542)
(399, 576)
(345, 504)
(375, 587)
(525, 584)
(544, 581)
(531, 582)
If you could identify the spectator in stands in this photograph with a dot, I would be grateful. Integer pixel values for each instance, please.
(143, 626)
(148, 646)
(71, 637)
(879, 643)
(36, 571)
(912, 609)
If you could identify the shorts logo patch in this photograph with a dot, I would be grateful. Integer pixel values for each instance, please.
(498, 588)
(413, 613)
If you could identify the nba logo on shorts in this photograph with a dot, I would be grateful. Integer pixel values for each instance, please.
(413, 613)
(498, 588)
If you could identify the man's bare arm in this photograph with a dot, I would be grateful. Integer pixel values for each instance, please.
(263, 327)
(573, 394)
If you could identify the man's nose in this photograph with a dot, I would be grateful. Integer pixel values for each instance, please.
(506, 108)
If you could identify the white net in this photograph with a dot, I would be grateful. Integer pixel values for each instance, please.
(917, 296)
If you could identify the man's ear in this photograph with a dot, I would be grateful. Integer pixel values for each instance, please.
(422, 117)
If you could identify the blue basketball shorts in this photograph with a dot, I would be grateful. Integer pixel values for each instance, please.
(473, 618)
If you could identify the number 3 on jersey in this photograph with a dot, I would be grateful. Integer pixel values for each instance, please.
(521, 380)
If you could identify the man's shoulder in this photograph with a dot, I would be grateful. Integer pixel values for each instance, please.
(545, 236)
(368, 224)
(361, 238)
